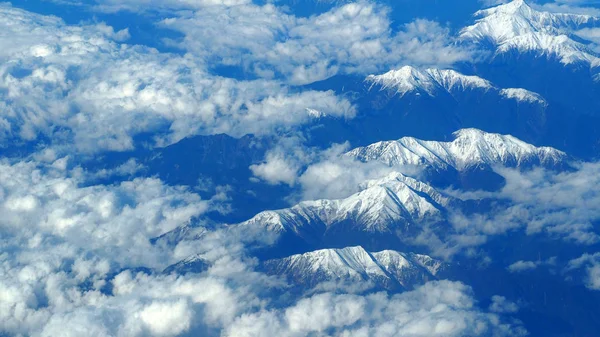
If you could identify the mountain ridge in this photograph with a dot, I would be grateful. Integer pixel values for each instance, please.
(434, 81)
(388, 269)
(518, 26)
(470, 147)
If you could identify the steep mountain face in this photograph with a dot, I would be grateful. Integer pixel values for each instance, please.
(546, 53)
(387, 209)
(465, 162)
(429, 81)
(517, 26)
(523, 95)
(387, 269)
(436, 82)
(406, 101)
(470, 147)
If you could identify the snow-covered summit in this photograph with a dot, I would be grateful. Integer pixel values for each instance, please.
(429, 81)
(518, 26)
(433, 81)
(354, 264)
(382, 206)
(470, 147)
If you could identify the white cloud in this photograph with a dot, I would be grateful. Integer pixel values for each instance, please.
(435, 309)
(521, 266)
(128, 168)
(352, 38)
(111, 221)
(337, 178)
(166, 318)
(591, 264)
(559, 205)
(501, 305)
(592, 35)
(75, 84)
(275, 170)
(61, 240)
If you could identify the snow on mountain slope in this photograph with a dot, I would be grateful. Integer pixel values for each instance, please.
(386, 205)
(517, 26)
(429, 81)
(433, 81)
(523, 95)
(388, 269)
(470, 147)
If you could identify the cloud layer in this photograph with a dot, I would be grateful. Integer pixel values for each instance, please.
(352, 38)
(78, 84)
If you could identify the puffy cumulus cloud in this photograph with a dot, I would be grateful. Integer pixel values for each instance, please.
(436, 309)
(520, 266)
(337, 178)
(502, 305)
(276, 169)
(591, 264)
(138, 305)
(60, 241)
(591, 34)
(127, 169)
(351, 38)
(64, 245)
(523, 266)
(76, 84)
(559, 205)
(45, 208)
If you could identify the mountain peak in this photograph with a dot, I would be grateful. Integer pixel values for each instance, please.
(428, 81)
(517, 26)
(382, 206)
(470, 147)
(389, 269)
(513, 7)
(434, 81)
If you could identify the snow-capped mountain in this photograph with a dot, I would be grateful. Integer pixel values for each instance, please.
(392, 205)
(518, 26)
(429, 81)
(470, 148)
(434, 81)
(388, 269)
